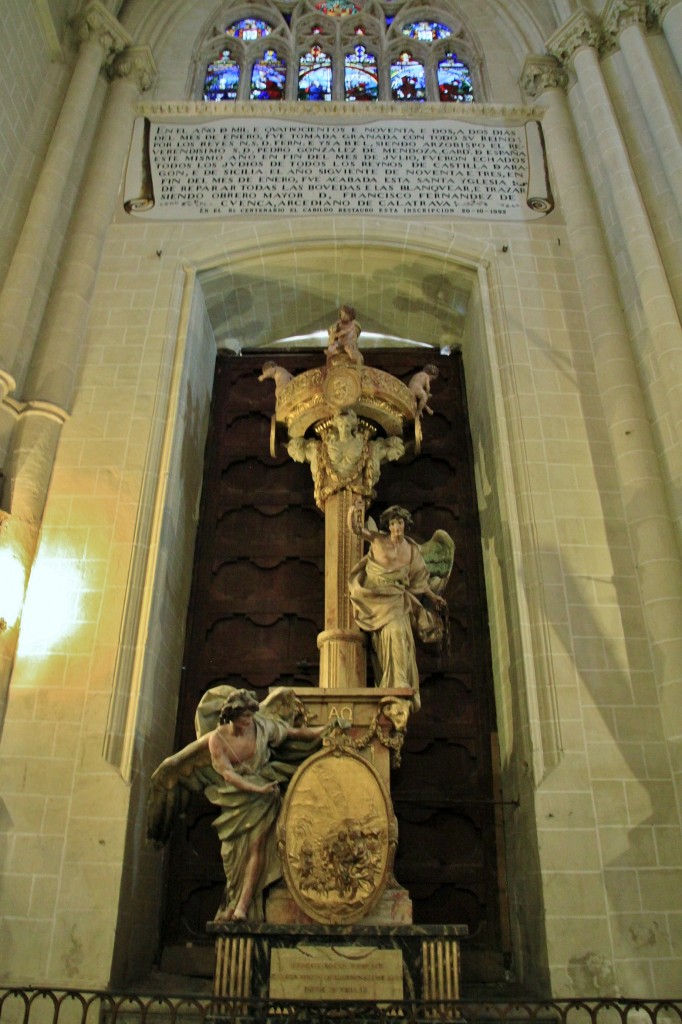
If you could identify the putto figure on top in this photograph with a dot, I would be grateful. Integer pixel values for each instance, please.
(344, 334)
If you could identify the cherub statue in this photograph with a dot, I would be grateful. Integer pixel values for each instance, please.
(243, 754)
(395, 590)
(344, 334)
(420, 386)
(281, 377)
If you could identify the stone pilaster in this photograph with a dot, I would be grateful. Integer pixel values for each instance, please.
(669, 16)
(53, 372)
(100, 38)
(625, 23)
(54, 369)
(657, 333)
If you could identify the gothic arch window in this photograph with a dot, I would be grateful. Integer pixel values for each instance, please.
(343, 50)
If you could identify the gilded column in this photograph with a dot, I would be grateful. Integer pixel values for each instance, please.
(645, 505)
(341, 644)
(100, 37)
(657, 333)
(624, 22)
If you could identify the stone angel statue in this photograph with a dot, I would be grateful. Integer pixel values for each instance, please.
(243, 754)
(396, 591)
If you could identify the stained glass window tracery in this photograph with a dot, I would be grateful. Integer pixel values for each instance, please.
(222, 78)
(337, 8)
(248, 28)
(268, 77)
(315, 75)
(426, 31)
(361, 79)
(344, 50)
(408, 80)
(454, 80)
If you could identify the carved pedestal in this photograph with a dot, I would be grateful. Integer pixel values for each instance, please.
(323, 962)
(337, 832)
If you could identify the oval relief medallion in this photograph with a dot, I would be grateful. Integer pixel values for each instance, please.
(337, 836)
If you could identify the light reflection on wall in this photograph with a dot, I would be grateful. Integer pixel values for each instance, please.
(53, 604)
(12, 579)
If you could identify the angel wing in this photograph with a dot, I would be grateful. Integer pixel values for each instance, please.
(439, 556)
(170, 786)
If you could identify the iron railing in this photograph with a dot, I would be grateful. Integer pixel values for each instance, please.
(72, 1006)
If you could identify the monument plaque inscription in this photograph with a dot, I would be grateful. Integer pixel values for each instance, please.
(190, 169)
(333, 972)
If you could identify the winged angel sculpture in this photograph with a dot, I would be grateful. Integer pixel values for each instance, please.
(396, 590)
(243, 754)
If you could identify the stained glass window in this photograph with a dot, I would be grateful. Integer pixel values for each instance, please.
(222, 78)
(248, 28)
(426, 31)
(408, 81)
(268, 77)
(315, 75)
(352, 50)
(337, 8)
(361, 79)
(454, 80)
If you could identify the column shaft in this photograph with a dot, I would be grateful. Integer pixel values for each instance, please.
(53, 372)
(671, 23)
(646, 509)
(659, 335)
(101, 36)
(341, 645)
(654, 99)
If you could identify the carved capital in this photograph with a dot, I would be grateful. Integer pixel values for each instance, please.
(580, 31)
(540, 73)
(620, 14)
(96, 22)
(659, 8)
(136, 63)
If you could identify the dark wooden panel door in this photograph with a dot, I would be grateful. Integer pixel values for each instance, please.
(257, 605)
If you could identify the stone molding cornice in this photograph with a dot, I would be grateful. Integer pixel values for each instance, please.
(96, 22)
(581, 30)
(540, 73)
(386, 110)
(136, 63)
(7, 384)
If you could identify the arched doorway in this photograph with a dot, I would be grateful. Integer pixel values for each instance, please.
(255, 612)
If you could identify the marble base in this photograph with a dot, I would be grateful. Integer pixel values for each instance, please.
(429, 958)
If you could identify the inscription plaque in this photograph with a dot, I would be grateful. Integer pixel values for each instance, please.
(335, 972)
(191, 169)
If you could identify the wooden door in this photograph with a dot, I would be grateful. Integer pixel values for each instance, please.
(257, 605)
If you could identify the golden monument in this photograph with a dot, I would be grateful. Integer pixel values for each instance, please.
(330, 845)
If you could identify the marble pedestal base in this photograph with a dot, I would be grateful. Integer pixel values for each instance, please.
(423, 961)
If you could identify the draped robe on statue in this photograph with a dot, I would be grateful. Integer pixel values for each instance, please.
(386, 604)
(245, 815)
